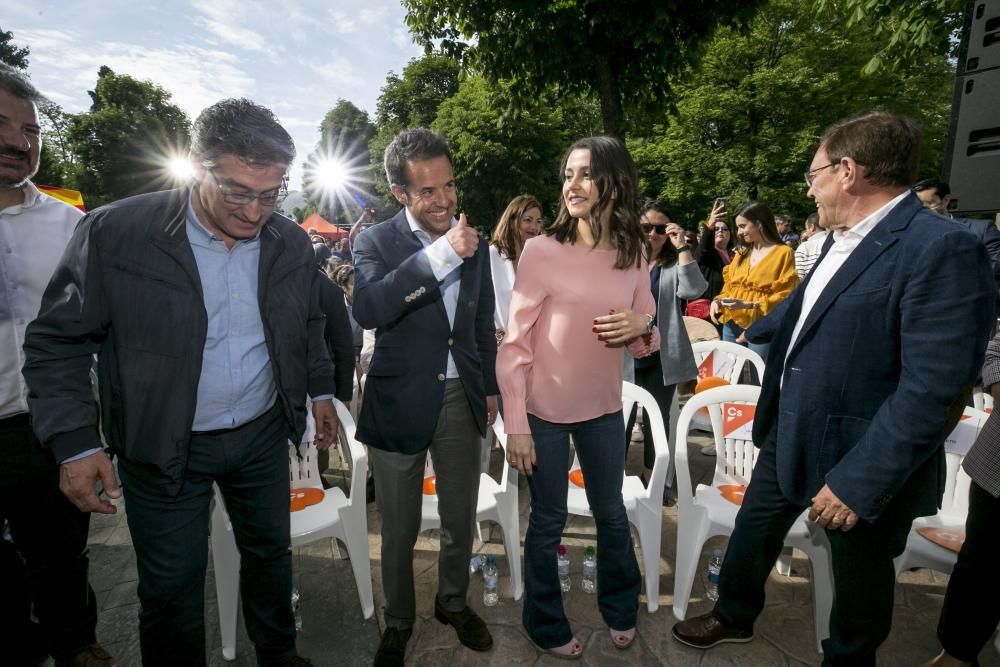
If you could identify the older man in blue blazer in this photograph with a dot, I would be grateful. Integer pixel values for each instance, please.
(872, 360)
(422, 281)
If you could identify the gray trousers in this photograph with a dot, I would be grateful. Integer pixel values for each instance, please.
(456, 449)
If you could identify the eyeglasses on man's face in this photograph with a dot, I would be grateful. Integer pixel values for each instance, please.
(811, 174)
(244, 198)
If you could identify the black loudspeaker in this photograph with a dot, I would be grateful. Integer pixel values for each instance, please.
(972, 159)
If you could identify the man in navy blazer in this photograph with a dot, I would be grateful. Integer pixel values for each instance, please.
(936, 195)
(872, 359)
(422, 281)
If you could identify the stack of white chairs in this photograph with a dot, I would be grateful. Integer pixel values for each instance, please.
(338, 515)
(706, 512)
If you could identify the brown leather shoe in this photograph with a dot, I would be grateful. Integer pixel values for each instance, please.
(471, 629)
(92, 655)
(706, 631)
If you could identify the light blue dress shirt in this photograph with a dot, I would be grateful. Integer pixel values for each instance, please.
(446, 265)
(237, 382)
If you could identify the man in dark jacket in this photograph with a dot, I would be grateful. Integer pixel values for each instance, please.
(202, 307)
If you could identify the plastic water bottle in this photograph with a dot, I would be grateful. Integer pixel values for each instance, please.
(563, 561)
(714, 566)
(589, 582)
(490, 596)
(475, 564)
(295, 608)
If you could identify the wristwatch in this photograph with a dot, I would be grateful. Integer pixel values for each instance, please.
(683, 248)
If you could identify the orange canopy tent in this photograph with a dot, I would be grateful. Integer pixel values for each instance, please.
(324, 228)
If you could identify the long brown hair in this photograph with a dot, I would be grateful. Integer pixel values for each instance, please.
(760, 214)
(614, 173)
(506, 235)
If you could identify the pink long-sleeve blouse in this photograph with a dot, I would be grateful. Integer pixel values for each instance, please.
(551, 363)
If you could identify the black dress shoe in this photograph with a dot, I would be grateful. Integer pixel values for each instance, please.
(706, 631)
(392, 648)
(471, 629)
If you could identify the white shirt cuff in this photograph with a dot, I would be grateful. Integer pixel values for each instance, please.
(442, 257)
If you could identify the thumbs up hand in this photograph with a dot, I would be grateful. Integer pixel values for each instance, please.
(463, 238)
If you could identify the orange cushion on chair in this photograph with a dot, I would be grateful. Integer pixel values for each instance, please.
(710, 382)
(576, 476)
(303, 498)
(430, 485)
(733, 493)
(948, 538)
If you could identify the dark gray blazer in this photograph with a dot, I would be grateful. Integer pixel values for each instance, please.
(983, 460)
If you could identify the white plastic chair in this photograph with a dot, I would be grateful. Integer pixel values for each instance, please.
(644, 504)
(705, 513)
(739, 356)
(498, 503)
(339, 516)
(920, 551)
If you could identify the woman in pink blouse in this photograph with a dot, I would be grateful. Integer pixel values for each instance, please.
(581, 294)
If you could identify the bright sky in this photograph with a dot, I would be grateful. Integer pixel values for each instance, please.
(296, 57)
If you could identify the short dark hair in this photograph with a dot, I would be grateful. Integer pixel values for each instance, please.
(411, 145)
(885, 143)
(812, 220)
(241, 128)
(18, 85)
(940, 188)
(614, 172)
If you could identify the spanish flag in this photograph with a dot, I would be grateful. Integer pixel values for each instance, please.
(71, 197)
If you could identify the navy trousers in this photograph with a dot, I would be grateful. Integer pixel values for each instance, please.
(600, 446)
(170, 536)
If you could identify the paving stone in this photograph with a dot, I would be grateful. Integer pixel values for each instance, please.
(654, 633)
(753, 654)
(121, 594)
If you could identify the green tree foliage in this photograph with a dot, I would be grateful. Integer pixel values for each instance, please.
(749, 115)
(623, 52)
(500, 155)
(12, 54)
(122, 143)
(908, 28)
(345, 133)
(410, 100)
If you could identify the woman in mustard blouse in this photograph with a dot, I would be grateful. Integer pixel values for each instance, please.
(761, 275)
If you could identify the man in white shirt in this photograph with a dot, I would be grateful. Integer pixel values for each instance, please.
(812, 245)
(872, 360)
(48, 532)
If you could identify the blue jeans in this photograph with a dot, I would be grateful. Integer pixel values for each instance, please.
(731, 331)
(600, 447)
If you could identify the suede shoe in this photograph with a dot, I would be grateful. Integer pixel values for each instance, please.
(471, 629)
(706, 631)
(392, 648)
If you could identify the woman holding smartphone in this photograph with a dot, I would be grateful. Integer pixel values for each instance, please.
(581, 294)
(761, 275)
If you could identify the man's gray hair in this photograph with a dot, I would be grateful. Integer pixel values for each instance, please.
(243, 129)
(18, 85)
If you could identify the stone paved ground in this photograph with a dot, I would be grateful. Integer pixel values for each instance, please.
(334, 632)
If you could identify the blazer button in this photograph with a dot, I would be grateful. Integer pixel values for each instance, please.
(408, 298)
(421, 290)
(451, 341)
(441, 377)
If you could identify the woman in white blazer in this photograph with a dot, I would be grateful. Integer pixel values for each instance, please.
(521, 220)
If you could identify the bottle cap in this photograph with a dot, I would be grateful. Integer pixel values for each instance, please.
(590, 552)
(489, 560)
(561, 550)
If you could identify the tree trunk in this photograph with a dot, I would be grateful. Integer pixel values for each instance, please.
(607, 91)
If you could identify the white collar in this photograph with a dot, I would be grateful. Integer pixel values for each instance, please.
(861, 230)
(417, 229)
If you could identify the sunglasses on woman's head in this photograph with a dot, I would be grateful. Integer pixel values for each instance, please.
(659, 229)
